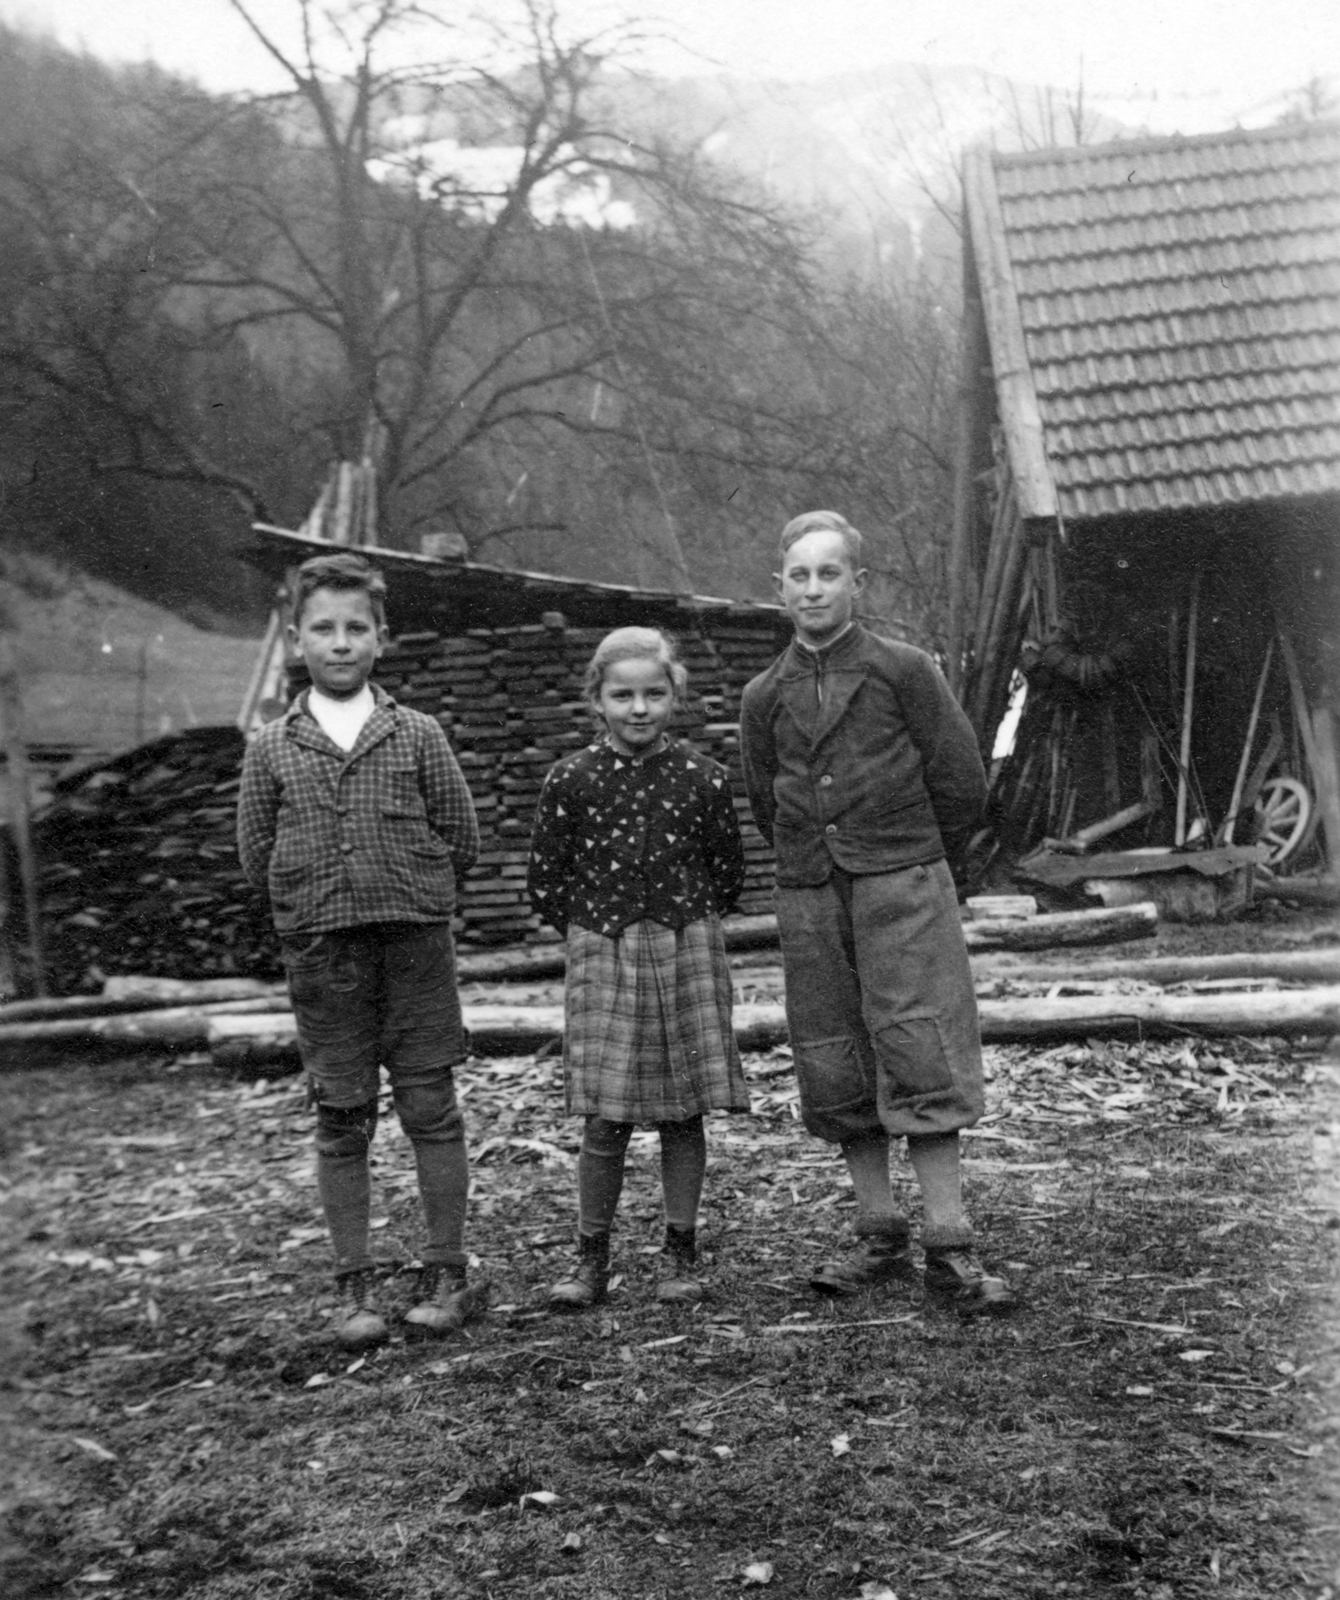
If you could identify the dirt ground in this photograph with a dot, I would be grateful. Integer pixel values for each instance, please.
(1161, 1419)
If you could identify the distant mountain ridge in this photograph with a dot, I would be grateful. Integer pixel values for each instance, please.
(878, 148)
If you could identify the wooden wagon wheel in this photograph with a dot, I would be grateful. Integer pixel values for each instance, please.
(1283, 811)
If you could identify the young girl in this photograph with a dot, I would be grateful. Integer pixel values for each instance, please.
(635, 855)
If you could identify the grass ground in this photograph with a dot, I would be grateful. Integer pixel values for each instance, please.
(1160, 1420)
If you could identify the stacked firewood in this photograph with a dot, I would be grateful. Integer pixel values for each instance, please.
(139, 869)
(139, 864)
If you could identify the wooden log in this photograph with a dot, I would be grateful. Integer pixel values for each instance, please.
(750, 933)
(511, 962)
(56, 1009)
(1302, 891)
(171, 1028)
(1061, 928)
(1140, 1016)
(151, 991)
(1057, 929)
(1082, 838)
(241, 1042)
(1288, 966)
(981, 907)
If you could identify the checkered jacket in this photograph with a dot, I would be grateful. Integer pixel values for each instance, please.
(380, 833)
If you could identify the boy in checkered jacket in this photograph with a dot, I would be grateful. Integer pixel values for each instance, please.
(355, 818)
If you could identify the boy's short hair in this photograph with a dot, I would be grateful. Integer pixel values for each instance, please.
(348, 571)
(822, 522)
(634, 644)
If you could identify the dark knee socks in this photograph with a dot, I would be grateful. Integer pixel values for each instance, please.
(683, 1167)
(343, 1137)
(600, 1168)
(600, 1173)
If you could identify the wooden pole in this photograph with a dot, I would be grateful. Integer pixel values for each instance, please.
(1230, 821)
(1326, 779)
(972, 358)
(1188, 704)
(1316, 733)
(8, 986)
(11, 731)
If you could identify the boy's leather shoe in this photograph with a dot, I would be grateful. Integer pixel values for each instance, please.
(883, 1253)
(588, 1284)
(446, 1302)
(955, 1273)
(679, 1284)
(361, 1323)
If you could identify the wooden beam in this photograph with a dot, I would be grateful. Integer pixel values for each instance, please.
(972, 358)
(1230, 822)
(1016, 396)
(1188, 707)
(1316, 730)
(20, 800)
(1326, 780)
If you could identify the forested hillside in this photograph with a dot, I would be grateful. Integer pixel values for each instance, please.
(547, 296)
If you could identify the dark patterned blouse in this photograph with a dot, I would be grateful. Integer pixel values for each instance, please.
(617, 840)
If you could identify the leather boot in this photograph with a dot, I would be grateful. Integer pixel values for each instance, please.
(680, 1284)
(588, 1284)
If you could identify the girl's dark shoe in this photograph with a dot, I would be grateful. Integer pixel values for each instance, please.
(589, 1283)
(361, 1323)
(446, 1302)
(680, 1284)
(955, 1273)
(883, 1253)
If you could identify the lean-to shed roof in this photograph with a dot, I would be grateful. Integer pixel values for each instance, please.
(1179, 306)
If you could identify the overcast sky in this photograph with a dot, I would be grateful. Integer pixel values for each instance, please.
(1174, 65)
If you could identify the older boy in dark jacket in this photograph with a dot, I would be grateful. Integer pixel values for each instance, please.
(863, 773)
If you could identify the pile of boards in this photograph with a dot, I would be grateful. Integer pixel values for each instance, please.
(511, 702)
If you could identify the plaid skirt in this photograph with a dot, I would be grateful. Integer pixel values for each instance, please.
(647, 1032)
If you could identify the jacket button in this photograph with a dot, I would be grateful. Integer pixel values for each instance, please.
(831, 828)
(826, 780)
(347, 848)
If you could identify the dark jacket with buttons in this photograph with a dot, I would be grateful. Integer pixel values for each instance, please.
(618, 840)
(379, 833)
(858, 755)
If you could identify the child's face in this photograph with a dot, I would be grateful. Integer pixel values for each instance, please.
(818, 586)
(338, 637)
(637, 700)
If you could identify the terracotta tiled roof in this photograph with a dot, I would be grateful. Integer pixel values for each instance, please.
(1180, 301)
